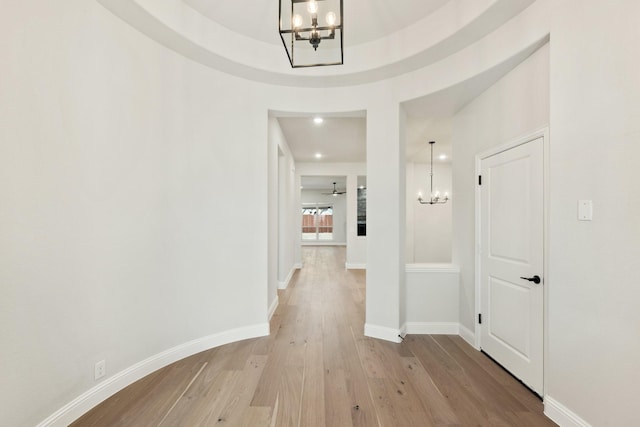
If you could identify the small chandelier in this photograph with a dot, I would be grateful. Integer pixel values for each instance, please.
(434, 199)
(309, 43)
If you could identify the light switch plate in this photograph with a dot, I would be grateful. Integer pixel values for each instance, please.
(585, 210)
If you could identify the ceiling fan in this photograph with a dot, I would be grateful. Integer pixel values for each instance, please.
(335, 192)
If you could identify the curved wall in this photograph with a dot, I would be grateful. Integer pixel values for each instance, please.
(455, 25)
(125, 230)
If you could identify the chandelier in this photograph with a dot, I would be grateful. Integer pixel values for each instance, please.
(434, 199)
(311, 41)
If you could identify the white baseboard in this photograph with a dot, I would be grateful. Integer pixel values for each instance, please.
(382, 332)
(441, 328)
(273, 307)
(92, 397)
(561, 415)
(285, 283)
(355, 266)
(432, 328)
(469, 336)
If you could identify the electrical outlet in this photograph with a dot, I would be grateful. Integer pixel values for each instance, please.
(100, 370)
(585, 210)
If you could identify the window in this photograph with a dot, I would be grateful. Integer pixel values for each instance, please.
(317, 222)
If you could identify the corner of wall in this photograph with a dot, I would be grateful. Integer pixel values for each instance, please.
(561, 415)
(382, 333)
(468, 335)
(273, 307)
(285, 283)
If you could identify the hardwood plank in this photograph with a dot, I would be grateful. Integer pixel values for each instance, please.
(337, 407)
(290, 391)
(524, 395)
(265, 394)
(242, 351)
(313, 404)
(494, 395)
(374, 360)
(239, 396)
(362, 409)
(390, 407)
(436, 405)
(201, 401)
(256, 416)
(449, 379)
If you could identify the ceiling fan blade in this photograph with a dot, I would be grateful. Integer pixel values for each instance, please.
(335, 192)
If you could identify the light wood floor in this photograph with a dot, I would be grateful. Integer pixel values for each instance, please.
(317, 369)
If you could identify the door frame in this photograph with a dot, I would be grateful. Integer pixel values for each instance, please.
(544, 134)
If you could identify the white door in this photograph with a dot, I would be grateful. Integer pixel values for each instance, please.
(511, 257)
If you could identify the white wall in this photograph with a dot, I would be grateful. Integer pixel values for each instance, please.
(595, 145)
(429, 233)
(339, 204)
(432, 299)
(386, 218)
(516, 105)
(125, 226)
(282, 204)
(288, 202)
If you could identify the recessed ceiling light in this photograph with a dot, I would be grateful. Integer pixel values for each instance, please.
(318, 156)
(318, 120)
(442, 157)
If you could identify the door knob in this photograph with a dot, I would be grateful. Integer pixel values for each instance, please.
(534, 279)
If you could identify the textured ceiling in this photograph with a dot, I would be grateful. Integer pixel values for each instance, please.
(383, 38)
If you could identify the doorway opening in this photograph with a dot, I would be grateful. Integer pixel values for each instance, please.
(317, 223)
(323, 210)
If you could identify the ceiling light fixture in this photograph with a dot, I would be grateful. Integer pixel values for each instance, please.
(301, 34)
(318, 120)
(433, 198)
(318, 155)
(335, 192)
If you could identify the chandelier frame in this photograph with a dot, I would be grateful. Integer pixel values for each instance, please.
(315, 37)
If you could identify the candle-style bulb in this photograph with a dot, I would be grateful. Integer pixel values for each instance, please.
(331, 19)
(297, 21)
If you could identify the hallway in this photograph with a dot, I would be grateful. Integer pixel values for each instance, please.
(317, 369)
